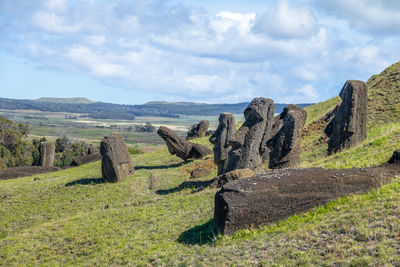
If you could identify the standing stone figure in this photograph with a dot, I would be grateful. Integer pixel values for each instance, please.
(198, 130)
(226, 128)
(286, 137)
(46, 154)
(246, 142)
(116, 164)
(349, 126)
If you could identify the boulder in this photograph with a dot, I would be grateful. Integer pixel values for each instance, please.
(233, 175)
(46, 154)
(286, 134)
(93, 150)
(198, 130)
(247, 141)
(349, 125)
(181, 147)
(226, 128)
(84, 159)
(275, 195)
(200, 172)
(116, 164)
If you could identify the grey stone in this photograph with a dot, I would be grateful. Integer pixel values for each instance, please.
(116, 164)
(247, 141)
(349, 125)
(198, 130)
(46, 154)
(286, 134)
(226, 128)
(181, 147)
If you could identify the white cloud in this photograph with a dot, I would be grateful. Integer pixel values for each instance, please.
(56, 5)
(374, 16)
(286, 21)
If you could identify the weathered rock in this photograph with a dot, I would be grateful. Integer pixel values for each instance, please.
(84, 159)
(200, 172)
(278, 194)
(93, 150)
(395, 157)
(198, 130)
(46, 154)
(116, 164)
(247, 141)
(349, 126)
(16, 172)
(226, 128)
(234, 175)
(286, 134)
(181, 147)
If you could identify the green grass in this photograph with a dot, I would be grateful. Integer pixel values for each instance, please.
(317, 111)
(71, 217)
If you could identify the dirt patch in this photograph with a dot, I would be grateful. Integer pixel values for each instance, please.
(17, 172)
(275, 195)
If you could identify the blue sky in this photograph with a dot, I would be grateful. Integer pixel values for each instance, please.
(185, 50)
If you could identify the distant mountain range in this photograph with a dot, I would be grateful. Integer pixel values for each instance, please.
(100, 110)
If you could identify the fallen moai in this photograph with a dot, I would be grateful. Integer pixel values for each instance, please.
(278, 194)
(226, 128)
(286, 133)
(181, 147)
(84, 159)
(116, 164)
(349, 125)
(246, 143)
(46, 154)
(198, 130)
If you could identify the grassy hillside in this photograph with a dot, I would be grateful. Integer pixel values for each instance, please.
(68, 100)
(156, 217)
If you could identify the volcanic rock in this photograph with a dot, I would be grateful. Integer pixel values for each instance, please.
(46, 154)
(226, 128)
(286, 133)
(349, 126)
(275, 195)
(247, 141)
(181, 147)
(198, 130)
(84, 159)
(116, 164)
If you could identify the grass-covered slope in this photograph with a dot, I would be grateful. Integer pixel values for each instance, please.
(155, 218)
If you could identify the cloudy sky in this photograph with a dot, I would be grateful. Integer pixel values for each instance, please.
(224, 51)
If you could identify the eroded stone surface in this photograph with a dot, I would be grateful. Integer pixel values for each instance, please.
(246, 143)
(226, 128)
(116, 164)
(233, 175)
(198, 130)
(46, 154)
(349, 125)
(286, 134)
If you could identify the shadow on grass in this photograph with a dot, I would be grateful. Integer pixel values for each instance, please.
(176, 165)
(199, 185)
(87, 181)
(199, 235)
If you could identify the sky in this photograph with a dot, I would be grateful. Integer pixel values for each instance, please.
(131, 52)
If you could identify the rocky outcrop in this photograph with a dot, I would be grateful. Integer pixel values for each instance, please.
(46, 154)
(116, 164)
(226, 128)
(233, 175)
(198, 130)
(275, 195)
(181, 147)
(286, 134)
(84, 159)
(246, 143)
(349, 126)
(395, 157)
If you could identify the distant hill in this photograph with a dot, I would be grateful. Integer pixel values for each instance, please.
(68, 100)
(100, 110)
